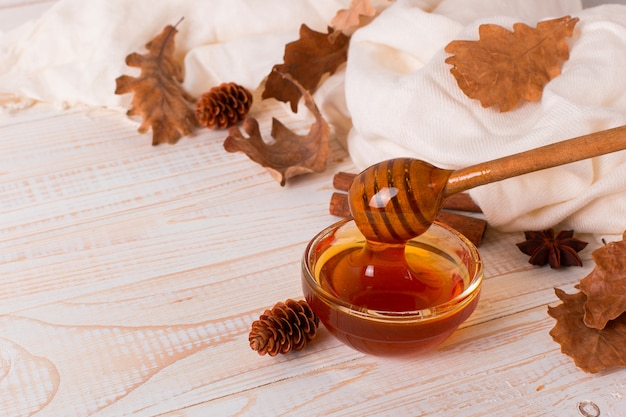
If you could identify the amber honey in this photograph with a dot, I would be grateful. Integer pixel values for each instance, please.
(391, 299)
(390, 278)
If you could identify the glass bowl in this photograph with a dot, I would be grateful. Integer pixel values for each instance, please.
(385, 331)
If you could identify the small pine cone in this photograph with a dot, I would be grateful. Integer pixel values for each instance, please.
(223, 106)
(287, 326)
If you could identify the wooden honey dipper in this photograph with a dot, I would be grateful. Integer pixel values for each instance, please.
(396, 200)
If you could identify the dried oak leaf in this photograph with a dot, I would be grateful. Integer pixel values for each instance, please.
(359, 13)
(307, 60)
(290, 154)
(591, 349)
(159, 98)
(504, 67)
(605, 286)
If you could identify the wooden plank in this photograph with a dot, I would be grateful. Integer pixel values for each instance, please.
(166, 255)
(537, 380)
(131, 275)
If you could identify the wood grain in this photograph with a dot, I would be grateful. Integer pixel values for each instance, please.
(130, 275)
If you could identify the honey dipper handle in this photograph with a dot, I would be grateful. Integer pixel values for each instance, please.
(559, 153)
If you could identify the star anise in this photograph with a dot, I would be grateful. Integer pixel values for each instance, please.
(543, 248)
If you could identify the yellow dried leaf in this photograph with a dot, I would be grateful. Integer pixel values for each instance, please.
(347, 20)
(592, 349)
(307, 60)
(504, 67)
(605, 286)
(289, 154)
(159, 97)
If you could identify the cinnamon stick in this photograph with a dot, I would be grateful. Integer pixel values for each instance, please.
(459, 202)
(343, 180)
(471, 227)
(339, 205)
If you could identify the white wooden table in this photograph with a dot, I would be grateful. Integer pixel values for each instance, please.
(130, 276)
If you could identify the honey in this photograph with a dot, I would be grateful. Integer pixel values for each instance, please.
(391, 281)
(390, 277)
(391, 299)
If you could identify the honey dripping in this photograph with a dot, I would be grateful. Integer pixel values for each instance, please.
(396, 200)
(382, 272)
(390, 277)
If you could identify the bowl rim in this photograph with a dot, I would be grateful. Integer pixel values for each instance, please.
(431, 313)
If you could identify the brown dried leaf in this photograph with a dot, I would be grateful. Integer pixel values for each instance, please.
(307, 60)
(504, 67)
(605, 286)
(159, 98)
(591, 349)
(290, 154)
(359, 12)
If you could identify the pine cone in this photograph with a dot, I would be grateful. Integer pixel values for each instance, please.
(287, 326)
(223, 106)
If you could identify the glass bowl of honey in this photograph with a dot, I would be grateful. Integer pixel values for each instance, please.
(391, 300)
